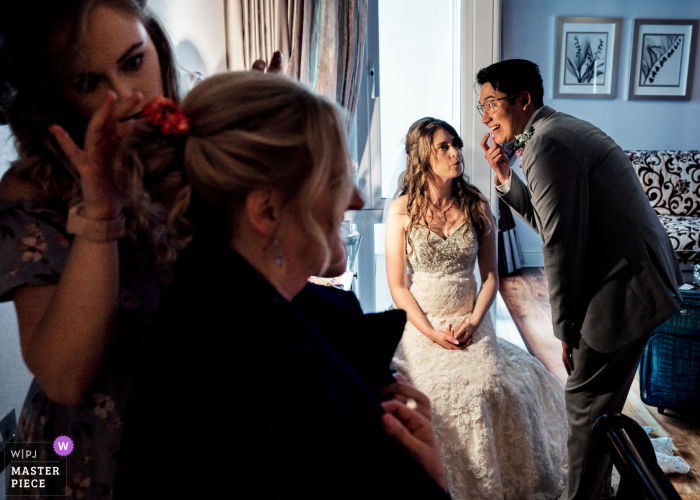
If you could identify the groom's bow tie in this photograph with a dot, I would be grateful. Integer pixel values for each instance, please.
(509, 149)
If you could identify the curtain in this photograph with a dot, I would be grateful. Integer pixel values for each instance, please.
(510, 255)
(321, 40)
(264, 29)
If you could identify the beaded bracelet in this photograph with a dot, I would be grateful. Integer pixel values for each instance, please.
(95, 230)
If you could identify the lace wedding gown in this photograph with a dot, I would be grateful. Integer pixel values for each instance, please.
(498, 414)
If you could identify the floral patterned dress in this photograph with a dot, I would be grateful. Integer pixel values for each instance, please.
(33, 251)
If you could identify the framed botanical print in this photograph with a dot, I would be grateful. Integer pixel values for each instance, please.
(663, 59)
(587, 57)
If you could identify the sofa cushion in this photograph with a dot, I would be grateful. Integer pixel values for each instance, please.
(684, 233)
(671, 180)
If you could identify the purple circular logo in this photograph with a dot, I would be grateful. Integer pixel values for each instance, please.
(63, 445)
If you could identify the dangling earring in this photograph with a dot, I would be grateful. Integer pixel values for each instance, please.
(278, 254)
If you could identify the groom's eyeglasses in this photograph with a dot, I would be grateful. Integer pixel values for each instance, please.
(490, 105)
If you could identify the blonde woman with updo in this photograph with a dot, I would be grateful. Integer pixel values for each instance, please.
(498, 414)
(244, 390)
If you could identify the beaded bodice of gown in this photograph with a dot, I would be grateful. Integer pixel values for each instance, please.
(498, 414)
(441, 271)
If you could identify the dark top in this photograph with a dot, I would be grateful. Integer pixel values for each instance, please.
(241, 394)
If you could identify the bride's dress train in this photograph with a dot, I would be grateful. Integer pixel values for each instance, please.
(498, 414)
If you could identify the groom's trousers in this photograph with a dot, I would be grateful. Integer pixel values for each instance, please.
(599, 384)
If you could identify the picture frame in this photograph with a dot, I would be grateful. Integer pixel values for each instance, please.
(663, 59)
(587, 55)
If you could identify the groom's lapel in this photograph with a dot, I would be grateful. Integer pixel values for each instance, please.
(537, 123)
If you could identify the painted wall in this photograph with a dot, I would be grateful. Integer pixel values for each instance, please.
(198, 32)
(529, 32)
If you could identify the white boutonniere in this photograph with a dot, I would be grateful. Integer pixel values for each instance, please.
(521, 141)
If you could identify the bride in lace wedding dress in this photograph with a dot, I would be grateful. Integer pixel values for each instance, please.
(498, 414)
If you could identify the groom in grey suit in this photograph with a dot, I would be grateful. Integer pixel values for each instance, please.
(608, 260)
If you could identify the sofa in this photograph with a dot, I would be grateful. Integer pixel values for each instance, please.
(671, 180)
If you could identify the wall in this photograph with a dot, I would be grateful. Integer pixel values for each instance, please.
(198, 32)
(529, 32)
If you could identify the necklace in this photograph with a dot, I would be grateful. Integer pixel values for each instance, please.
(444, 212)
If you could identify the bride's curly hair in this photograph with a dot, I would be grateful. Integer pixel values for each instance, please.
(37, 35)
(414, 181)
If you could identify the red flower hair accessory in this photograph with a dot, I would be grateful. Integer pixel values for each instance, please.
(163, 112)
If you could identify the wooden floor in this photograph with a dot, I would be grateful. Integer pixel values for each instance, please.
(527, 299)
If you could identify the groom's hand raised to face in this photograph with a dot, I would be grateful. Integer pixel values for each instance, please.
(497, 158)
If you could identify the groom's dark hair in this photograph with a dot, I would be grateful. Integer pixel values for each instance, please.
(512, 77)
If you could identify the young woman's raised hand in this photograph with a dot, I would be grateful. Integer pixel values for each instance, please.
(95, 161)
(275, 64)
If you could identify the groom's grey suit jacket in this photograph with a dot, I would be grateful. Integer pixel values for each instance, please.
(608, 260)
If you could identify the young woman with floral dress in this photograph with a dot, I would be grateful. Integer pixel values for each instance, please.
(79, 74)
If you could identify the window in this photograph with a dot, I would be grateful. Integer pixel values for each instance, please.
(417, 64)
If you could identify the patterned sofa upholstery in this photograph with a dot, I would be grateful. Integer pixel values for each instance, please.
(671, 180)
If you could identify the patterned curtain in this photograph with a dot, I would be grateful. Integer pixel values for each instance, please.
(264, 29)
(321, 40)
